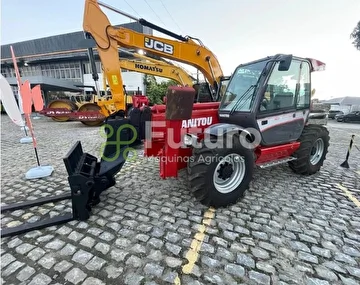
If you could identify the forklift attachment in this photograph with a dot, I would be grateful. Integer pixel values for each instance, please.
(87, 177)
(26, 227)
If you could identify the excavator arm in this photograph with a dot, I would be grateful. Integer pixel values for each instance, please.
(108, 38)
(157, 68)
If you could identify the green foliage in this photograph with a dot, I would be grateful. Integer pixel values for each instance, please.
(156, 91)
(53, 95)
(355, 35)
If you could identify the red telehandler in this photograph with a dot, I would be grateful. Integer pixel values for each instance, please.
(262, 119)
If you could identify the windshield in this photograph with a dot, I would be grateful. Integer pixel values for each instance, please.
(239, 89)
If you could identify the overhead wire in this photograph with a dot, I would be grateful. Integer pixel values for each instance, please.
(162, 3)
(132, 8)
(154, 12)
(172, 18)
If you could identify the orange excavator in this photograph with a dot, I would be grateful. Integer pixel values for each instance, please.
(108, 39)
(186, 50)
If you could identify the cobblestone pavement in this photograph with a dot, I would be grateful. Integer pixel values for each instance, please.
(288, 229)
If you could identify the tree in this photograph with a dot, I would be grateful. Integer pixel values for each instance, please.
(156, 91)
(355, 35)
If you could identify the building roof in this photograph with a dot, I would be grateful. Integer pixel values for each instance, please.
(343, 101)
(56, 45)
(48, 83)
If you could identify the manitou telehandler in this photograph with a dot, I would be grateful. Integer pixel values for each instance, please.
(262, 119)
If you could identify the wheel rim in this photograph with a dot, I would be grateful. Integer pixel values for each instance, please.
(317, 151)
(229, 173)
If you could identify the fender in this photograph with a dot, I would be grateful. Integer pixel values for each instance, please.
(222, 129)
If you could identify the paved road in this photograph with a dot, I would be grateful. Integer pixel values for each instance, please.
(288, 229)
(340, 125)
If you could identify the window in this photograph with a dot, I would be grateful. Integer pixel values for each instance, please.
(240, 90)
(98, 66)
(281, 88)
(303, 99)
(86, 68)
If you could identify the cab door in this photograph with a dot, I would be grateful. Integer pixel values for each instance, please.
(285, 106)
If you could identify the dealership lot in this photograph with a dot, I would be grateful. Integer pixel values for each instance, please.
(288, 229)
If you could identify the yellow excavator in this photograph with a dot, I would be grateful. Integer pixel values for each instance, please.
(150, 66)
(161, 68)
(108, 39)
(143, 64)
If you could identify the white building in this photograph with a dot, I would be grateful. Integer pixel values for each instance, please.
(59, 63)
(344, 104)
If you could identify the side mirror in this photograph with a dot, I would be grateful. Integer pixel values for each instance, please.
(285, 62)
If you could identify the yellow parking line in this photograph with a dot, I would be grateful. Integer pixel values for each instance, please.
(350, 196)
(193, 253)
(177, 281)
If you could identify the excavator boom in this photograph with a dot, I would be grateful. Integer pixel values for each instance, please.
(157, 68)
(108, 38)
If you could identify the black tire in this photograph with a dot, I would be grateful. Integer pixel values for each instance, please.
(311, 133)
(201, 168)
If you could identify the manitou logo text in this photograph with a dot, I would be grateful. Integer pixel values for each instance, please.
(158, 46)
(198, 122)
(147, 67)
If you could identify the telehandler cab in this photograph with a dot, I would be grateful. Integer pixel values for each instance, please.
(263, 121)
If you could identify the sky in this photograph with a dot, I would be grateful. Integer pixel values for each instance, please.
(236, 31)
